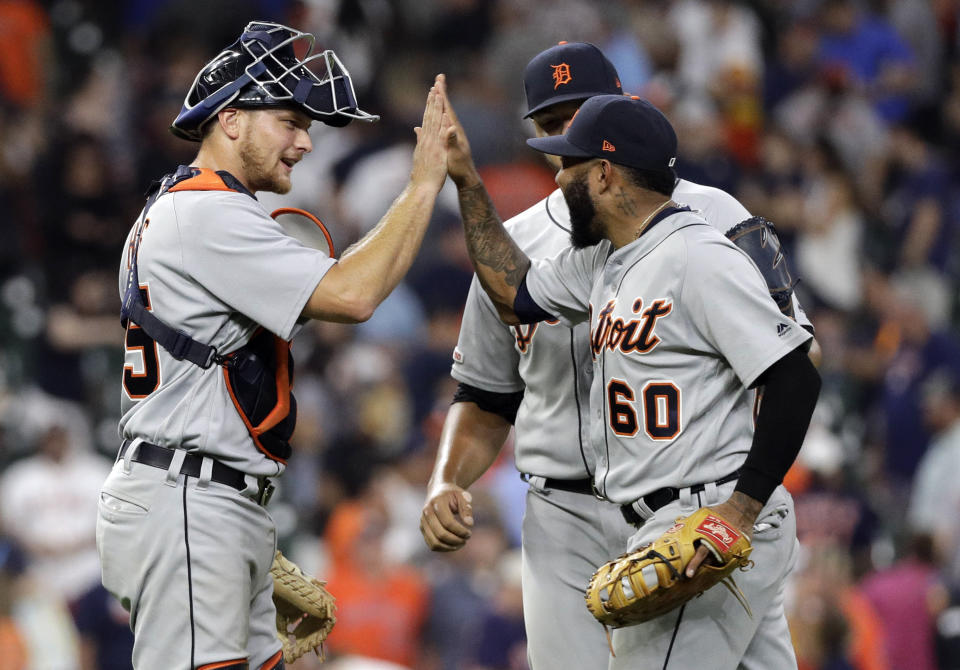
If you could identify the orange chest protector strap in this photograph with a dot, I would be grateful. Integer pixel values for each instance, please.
(259, 375)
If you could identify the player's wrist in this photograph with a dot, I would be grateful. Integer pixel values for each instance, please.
(742, 510)
(467, 180)
(435, 488)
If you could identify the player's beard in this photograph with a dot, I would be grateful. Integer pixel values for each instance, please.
(261, 170)
(584, 228)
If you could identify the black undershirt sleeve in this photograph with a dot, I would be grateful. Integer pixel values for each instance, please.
(525, 308)
(503, 404)
(791, 386)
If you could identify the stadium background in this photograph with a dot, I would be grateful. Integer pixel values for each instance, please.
(838, 120)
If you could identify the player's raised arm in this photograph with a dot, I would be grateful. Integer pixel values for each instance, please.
(370, 269)
(500, 264)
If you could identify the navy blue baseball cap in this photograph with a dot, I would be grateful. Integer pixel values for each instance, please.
(624, 130)
(568, 71)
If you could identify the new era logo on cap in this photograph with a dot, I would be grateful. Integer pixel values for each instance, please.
(608, 147)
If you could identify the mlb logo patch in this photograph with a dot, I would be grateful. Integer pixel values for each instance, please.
(719, 531)
(457, 355)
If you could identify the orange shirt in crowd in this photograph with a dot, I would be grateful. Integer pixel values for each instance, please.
(24, 30)
(381, 606)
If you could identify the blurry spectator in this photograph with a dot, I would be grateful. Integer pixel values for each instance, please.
(503, 639)
(703, 157)
(917, 23)
(774, 188)
(908, 597)
(829, 248)
(833, 516)
(720, 69)
(936, 488)
(382, 606)
(834, 626)
(106, 641)
(829, 109)
(792, 65)
(917, 205)
(50, 501)
(716, 39)
(871, 55)
(919, 348)
(25, 56)
(13, 646)
(82, 319)
(82, 221)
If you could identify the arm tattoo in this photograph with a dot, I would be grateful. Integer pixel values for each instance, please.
(626, 204)
(492, 250)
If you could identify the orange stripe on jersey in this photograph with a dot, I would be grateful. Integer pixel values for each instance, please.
(238, 664)
(273, 662)
(206, 180)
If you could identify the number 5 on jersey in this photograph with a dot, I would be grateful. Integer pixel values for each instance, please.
(142, 377)
(660, 405)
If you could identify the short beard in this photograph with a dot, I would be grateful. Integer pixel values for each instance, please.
(584, 228)
(259, 178)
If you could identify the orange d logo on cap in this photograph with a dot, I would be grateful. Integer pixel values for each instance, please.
(561, 75)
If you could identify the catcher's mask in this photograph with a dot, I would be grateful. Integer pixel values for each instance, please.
(261, 69)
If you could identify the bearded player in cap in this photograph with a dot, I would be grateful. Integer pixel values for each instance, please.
(213, 290)
(538, 376)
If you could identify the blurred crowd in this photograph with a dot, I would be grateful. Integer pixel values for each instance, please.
(839, 120)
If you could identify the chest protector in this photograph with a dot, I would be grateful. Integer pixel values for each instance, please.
(258, 375)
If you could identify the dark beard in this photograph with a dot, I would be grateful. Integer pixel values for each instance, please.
(584, 229)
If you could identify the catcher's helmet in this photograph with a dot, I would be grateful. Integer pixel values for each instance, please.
(261, 69)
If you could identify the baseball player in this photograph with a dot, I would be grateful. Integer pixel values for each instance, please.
(681, 329)
(213, 290)
(537, 377)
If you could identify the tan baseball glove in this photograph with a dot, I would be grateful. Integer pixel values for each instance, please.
(305, 609)
(646, 583)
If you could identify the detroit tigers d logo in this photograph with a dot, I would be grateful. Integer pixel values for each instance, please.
(561, 75)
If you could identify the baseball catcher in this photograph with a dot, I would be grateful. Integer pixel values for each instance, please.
(305, 609)
(651, 581)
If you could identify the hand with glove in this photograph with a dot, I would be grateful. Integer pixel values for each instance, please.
(695, 554)
(305, 609)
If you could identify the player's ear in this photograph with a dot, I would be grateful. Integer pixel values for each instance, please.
(229, 120)
(604, 174)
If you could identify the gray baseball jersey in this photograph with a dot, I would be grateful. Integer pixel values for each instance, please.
(214, 264)
(534, 357)
(551, 363)
(681, 325)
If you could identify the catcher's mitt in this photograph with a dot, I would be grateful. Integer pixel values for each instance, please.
(758, 239)
(305, 609)
(646, 583)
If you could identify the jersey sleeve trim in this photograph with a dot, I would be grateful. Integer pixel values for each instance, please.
(505, 405)
(526, 309)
